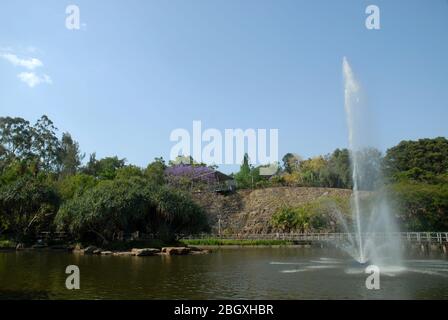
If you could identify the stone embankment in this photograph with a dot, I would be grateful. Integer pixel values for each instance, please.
(251, 211)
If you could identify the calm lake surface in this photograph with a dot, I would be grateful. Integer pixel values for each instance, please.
(235, 273)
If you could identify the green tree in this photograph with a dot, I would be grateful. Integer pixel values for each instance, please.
(69, 155)
(129, 171)
(105, 168)
(75, 184)
(155, 171)
(310, 171)
(45, 143)
(244, 178)
(421, 206)
(425, 157)
(129, 205)
(27, 206)
(16, 139)
(337, 173)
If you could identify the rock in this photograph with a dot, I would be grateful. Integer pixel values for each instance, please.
(251, 211)
(97, 251)
(176, 250)
(145, 252)
(200, 252)
(20, 246)
(77, 248)
(124, 253)
(194, 248)
(106, 253)
(89, 250)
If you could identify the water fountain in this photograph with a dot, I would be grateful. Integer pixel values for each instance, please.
(370, 232)
(372, 227)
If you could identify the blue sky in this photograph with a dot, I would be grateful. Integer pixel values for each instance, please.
(139, 69)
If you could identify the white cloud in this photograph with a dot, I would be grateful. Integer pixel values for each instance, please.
(32, 79)
(30, 63)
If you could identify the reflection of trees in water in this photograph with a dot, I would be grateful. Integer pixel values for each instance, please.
(24, 295)
(24, 280)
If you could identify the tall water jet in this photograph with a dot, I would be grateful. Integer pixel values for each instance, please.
(372, 228)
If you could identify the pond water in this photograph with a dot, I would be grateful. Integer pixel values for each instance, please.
(234, 273)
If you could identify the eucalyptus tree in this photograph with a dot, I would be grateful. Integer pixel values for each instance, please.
(69, 156)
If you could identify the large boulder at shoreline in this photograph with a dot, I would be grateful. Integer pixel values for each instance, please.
(106, 253)
(176, 250)
(144, 252)
(90, 250)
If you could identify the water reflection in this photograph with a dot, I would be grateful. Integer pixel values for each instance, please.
(243, 273)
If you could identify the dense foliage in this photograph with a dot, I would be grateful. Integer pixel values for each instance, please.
(422, 206)
(129, 205)
(314, 216)
(44, 187)
(414, 173)
(27, 205)
(424, 159)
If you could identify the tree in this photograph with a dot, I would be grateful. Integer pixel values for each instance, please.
(104, 210)
(310, 171)
(16, 139)
(428, 156)
(45, 143)
(243, 178)
(129, 171)
(27, 206)
(3, 154)
(37, 144)
(155, 171)
(291, 162)
(337, 173)
(129, 205)
(105, 168)
(69, 155)
(421, 206)
(77, 184)
(177, 214)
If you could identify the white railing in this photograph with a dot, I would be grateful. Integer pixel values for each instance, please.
(430, 237)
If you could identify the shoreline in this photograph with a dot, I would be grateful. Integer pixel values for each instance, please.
(190, 247)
